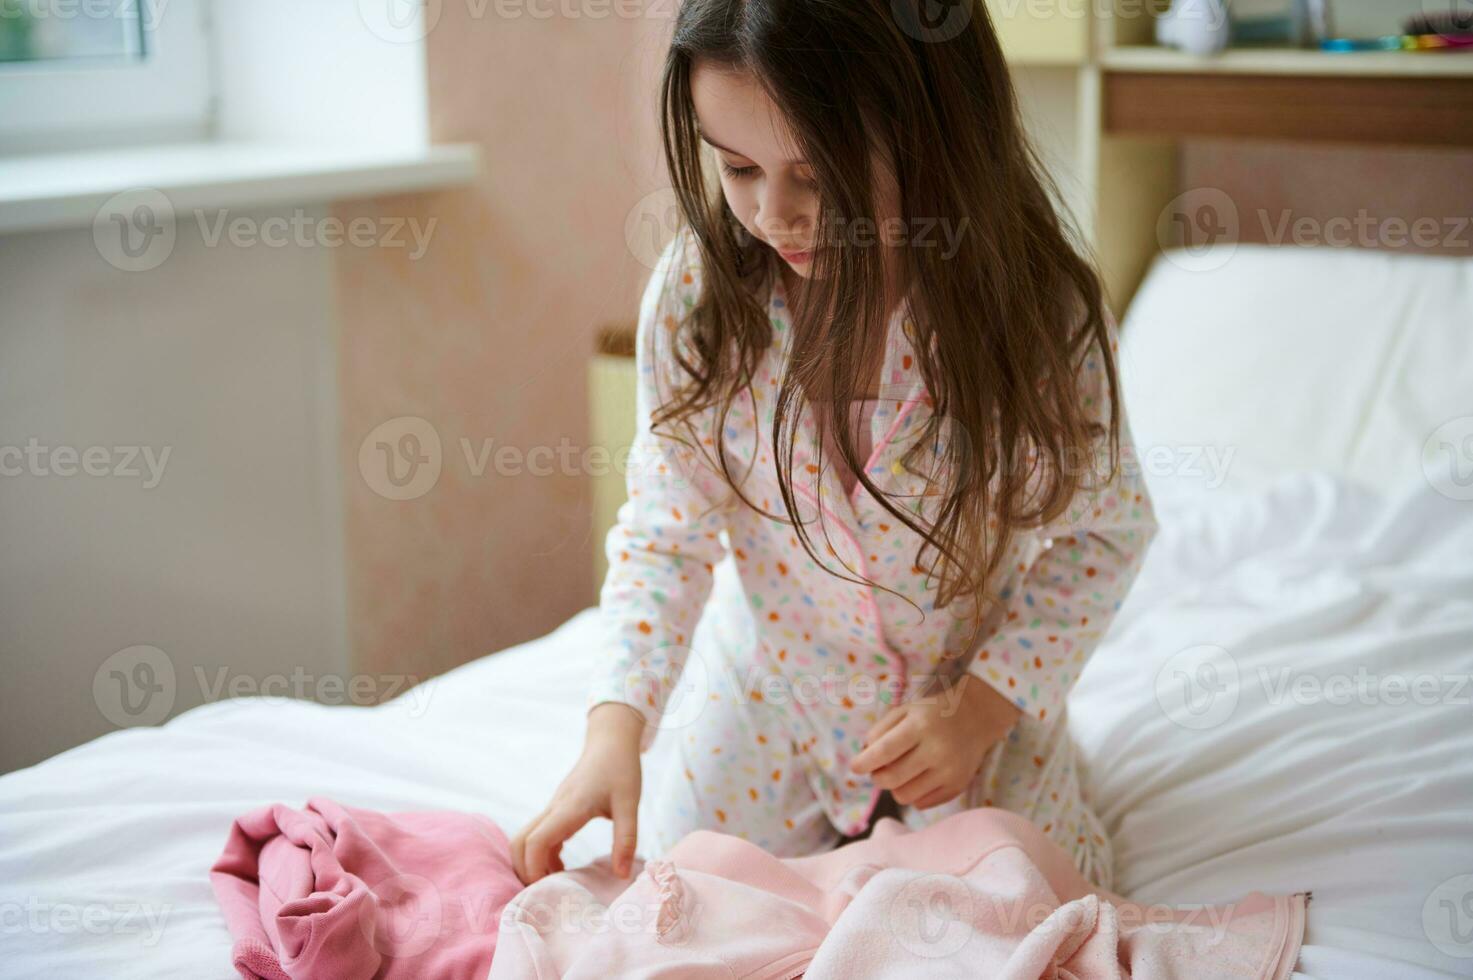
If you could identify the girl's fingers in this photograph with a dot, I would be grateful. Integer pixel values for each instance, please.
(917, 789)
(626, 833)
(890, 746)
(519, 845)
(557, 827)
(935, 797)
(887, 721)
(905, 770)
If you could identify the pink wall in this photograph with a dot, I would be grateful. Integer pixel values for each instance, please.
(487, 336)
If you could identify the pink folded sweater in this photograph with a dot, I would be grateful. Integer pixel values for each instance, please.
(339, 893)
(980, 893)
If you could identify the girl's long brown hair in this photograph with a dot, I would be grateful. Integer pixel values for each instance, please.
(1001, 326)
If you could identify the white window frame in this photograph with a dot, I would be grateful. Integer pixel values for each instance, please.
(167, 95)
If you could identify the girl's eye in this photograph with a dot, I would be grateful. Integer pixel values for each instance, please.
(738, 173)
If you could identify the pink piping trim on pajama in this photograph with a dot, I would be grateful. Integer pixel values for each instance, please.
(869, 598)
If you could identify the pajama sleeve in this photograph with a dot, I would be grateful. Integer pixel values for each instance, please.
(666, 540)
(1056, 614)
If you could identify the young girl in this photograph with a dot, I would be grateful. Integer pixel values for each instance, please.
(877, 387)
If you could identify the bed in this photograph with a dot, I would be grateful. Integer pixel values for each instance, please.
(1282, 705)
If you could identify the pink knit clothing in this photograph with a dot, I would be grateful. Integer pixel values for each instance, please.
(340, 893)
(982, 893)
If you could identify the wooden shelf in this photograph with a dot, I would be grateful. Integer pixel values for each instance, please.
(1291, 62)
(1115, 116)
(1411, 109)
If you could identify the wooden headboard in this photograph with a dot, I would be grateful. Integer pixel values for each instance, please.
(1406, 117)
(611, 387)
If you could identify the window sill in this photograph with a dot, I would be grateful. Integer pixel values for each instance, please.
(70, 190)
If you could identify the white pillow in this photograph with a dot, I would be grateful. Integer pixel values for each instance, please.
(1246, 361)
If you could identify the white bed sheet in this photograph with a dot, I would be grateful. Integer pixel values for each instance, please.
(104, 849)
(1367, 800)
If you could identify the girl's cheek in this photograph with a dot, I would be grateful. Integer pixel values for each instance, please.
(744, 206)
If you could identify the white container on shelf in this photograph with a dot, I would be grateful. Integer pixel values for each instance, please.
(1195, 26)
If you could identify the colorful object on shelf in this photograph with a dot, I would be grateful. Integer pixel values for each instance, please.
(1391, 42)
(1400, 42)
(1440, 31)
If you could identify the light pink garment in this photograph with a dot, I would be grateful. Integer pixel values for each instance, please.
(980, 893)
(340, 893)
(861, 413)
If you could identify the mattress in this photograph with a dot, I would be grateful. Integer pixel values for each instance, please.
(104, 849)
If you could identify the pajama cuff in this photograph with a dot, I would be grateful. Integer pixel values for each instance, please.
(603, 694)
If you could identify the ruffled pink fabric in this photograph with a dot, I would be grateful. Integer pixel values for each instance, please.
(981, 893)
(672, 919)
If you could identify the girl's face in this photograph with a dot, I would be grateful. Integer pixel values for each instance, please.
(767, 184)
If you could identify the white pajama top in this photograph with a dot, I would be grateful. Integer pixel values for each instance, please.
(831, 655)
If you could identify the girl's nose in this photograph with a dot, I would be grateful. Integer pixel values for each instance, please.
(784, 214)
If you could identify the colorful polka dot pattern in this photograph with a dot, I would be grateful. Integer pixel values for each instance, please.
(739, 771)
(830, 656)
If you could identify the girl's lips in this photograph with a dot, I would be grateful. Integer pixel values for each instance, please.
(797, 256)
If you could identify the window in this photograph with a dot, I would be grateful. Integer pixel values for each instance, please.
(32, 32)
(86, 73)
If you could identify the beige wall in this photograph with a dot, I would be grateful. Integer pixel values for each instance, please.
(488, 336)
(229, 564)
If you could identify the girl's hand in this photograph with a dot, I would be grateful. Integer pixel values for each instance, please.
(605, 782)
(926, 752)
